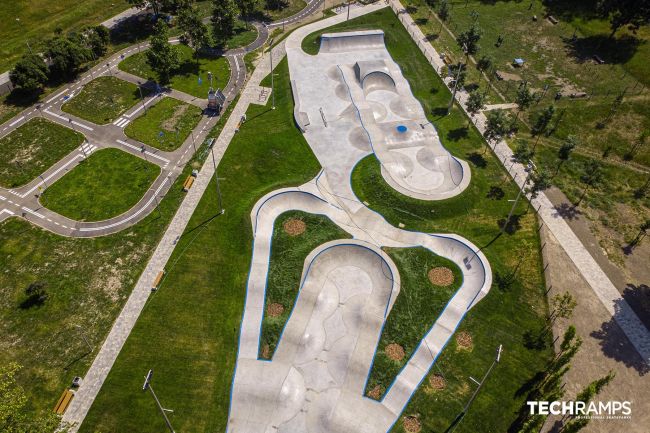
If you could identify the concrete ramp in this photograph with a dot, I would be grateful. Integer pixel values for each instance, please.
(351, 41)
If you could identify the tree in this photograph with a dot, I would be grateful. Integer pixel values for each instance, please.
(162, 57)
(30, 73)
(195, 33)
(224, 14)
(563, 306)
(540, 180)
(66, 56)
(143, 4)
(522, 153)
(496, 125)
(639, 142)
(483, 65)
(591, 176)
(523, 99)
(586, 395)
(475, 103)
(564, 153)
(631, 13)
(468, 40)
(443, 10)
(14, 416)
(275, 5)
(643, 232)
(543, 120)
(246, 8)
(459, 73)
(36, 294)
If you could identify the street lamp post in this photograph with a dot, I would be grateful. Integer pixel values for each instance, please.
(216, 176)
(521, 190)
(272, 82)
(142, 96)
(453, 94)
(83, 149)
(163, 411)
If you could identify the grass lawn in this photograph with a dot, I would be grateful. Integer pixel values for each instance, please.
(32, 148)
(292, 8)
(288, 255)
(35, 21)
(103, 100)
(507, 313)
(244, 35)
(175, 119)
(188, 331)
(105, 185)
(186, 77)
(415, 311)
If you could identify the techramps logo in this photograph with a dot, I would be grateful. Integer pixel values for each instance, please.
(605, 410)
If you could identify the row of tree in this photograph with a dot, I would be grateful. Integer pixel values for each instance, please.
(61, 60)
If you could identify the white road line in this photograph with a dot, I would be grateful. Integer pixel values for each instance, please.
(137, 110)
(26, 209)
(57, 95)
(117, 121)
(90, 229)
(16, 121)
(55, 115)
(8, 211)
(3, 198)
(82, 125)
(124, 124)
(54, 173)
(146, 152)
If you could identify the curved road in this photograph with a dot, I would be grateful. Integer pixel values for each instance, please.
(24, 201)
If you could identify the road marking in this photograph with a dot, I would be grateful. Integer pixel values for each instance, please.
(26, 209)
(146, 151)
(57, 95)
(8, 211)
(54, 173)
(16, 121)
(55, 115)
(135, 214)
(87, 148)
(82, 125)
(153, 98)
(3, 198)
(121, 122)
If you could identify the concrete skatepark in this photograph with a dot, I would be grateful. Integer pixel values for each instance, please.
(316, 378)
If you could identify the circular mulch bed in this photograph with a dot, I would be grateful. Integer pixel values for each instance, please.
(395, 352)
(266, 351)
(437, 382)
(376, 392)
(441, 276)
(464, 340)
(275, 309)
(294, 227)
(412, 424)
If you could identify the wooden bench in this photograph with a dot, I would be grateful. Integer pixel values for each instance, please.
(64, 402)
(552, 19)
(598, 60)
(188, 183)
(158, 279)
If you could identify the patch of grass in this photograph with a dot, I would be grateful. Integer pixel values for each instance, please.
(416, 309)
(288, 254)
(175, 119)
(244, 35)
(506, 313)
(186, 77)
(32, 148)
(189, 329)
(105, 185)
(35, 21)
(292, 8)
(103, 100)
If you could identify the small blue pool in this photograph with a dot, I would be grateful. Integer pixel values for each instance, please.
(402, 128)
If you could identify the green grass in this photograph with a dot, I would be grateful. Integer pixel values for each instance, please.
(288, 254)
(105, 185)
(186, 77)
(505, 314)
(175, 119)
(293, 7)
(103, 100)
(188, 331)
(35, 21)
(243, 35)
(32, 148)
(416, 309)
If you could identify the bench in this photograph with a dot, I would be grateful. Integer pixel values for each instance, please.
(188, 183)
(64, 402)
(598, 60)
(552, 19)
(158, 279)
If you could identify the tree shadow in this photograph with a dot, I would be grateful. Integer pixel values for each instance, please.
(513, 225)
(638, 297)
(615, 344)
(430, 37)
(495, 193)
(421, 21)
(33, 301)
(411, 9)
(611, 50)
(439, 111)
(477, 159)
(530, 384)
(534, 340)
(458, 133)
(567, 211)
(132, 29)
(568, 10)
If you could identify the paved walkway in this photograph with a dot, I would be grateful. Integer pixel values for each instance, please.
(605, 291)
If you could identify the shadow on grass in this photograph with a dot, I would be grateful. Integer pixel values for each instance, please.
(567, 211)
(513, 225)
(611, 50)
(458, 133)
(477, 159)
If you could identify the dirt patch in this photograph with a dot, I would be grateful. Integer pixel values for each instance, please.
(170, 124)
(274, 310)
(441, 276)
(464, 340)
(376, 392)
(412, 424)
(294, 227)
(266, 351)
(507, 76)
(437, 382)
(395, 352)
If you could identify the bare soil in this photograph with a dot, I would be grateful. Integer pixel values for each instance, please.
(441, 276)
(412, 424)
(464, 340)
(376, 392)
(395, 352)
(274, 310)
(437, 382)
(294, 227)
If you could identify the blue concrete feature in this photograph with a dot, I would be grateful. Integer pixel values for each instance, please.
(402, 128)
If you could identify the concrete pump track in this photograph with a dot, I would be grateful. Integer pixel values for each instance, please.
(350, 101)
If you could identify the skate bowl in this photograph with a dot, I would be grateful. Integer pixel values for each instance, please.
(353, 83)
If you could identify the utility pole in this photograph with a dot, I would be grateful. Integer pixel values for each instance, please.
(272, 81)
(142, 97)
(147, 386)
(476, 391)
(348, 18)
(453, 94)
(83, 150)
(521, 190)
(216, 177)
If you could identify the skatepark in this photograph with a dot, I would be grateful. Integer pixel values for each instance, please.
(350, 101)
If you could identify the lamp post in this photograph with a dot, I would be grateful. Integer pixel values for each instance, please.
(453, 93)
(530, 169)
(142, 97)
(216, 177)
(163, 411)
(272, 82)
(83, 150)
